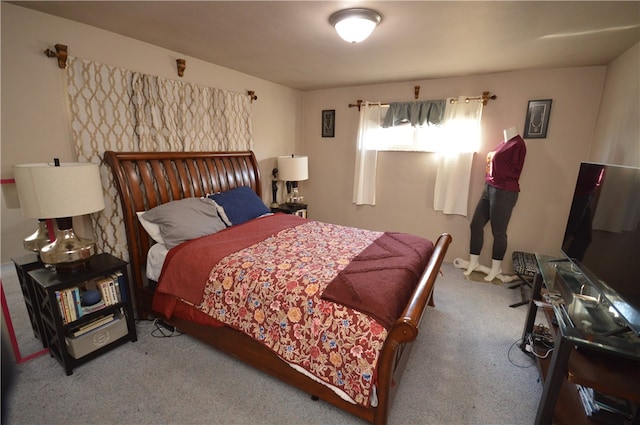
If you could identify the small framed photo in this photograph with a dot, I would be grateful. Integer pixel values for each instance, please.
(329, 123)
(537, 121)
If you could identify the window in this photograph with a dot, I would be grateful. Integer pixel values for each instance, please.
(452, 131)
(453, 128)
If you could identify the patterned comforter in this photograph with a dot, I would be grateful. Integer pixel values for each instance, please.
(271, 289)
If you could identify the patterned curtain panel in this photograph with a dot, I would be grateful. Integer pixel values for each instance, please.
(121, 110)
(176, 116)
(101, 120)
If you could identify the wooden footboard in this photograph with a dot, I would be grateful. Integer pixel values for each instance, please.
(397, 346)
(395, 353)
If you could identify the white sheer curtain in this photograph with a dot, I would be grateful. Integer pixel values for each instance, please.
(369, 131)
(461, 138)
(117, 109)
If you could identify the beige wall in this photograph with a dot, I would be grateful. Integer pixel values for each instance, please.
(34, 122)
(617, 136)
(406, 180)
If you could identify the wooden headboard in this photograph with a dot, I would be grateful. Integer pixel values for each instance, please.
(147, 179)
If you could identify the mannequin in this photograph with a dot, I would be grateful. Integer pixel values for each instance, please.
(504, 165)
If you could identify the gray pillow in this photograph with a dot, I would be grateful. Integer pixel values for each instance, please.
(185, 219)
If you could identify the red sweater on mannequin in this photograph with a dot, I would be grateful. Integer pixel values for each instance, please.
(505, 163)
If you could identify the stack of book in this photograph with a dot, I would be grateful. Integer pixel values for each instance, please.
(69, 303)
(605, 408)
(111, 290)
(93, 325)
(109, 287)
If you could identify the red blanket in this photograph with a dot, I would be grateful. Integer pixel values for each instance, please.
(381, 279)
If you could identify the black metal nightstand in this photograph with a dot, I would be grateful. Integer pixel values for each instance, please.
(72, 338)
(24, 265)
(291, 208)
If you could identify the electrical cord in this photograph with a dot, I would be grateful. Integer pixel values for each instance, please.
(536, 341)
(164, 330)
(540, 337)
(518, 343)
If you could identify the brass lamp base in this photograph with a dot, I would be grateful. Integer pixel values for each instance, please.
(38, 239)
(68, 251)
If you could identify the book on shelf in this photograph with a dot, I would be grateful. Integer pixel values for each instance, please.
(121, 287)
(103, 286)
(603, 407)
(612, 403)
(65, 307)
(77, 302)
(112, 291)
(93, 325)
(109, 287)
(69, 304)
(86, 309)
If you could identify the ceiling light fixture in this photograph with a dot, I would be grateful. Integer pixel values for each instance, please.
(355, 25)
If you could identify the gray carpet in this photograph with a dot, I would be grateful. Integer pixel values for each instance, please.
(464, 369)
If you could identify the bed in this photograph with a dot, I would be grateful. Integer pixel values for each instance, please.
(362, 379)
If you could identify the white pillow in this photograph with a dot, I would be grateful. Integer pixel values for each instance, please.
(152, 229)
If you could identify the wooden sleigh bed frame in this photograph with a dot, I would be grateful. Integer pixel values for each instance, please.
(145, 180)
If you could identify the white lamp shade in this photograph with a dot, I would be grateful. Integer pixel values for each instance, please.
(68, 190)
(293, 168)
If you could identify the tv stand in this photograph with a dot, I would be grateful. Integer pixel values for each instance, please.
(587, 350)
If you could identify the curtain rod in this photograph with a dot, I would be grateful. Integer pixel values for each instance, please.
(61, 55)
(484, 99)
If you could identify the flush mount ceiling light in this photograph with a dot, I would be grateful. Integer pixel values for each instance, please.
(355, 25)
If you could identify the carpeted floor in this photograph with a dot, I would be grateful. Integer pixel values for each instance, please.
(464, 369)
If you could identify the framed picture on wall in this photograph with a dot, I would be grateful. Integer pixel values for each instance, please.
(329, 123)
(537, 121)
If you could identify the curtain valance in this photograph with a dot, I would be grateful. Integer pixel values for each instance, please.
(418, 114)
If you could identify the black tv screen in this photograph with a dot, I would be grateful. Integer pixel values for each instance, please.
(602, 235)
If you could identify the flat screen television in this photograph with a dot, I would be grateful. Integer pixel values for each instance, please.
(602, 235)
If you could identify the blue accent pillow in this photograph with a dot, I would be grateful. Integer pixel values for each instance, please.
(240, 205)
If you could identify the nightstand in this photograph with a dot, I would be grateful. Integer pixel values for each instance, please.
(290, 208)
(75, 333)
(24, 265)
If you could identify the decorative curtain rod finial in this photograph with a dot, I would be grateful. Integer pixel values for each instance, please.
(252, 95)
(182, 64)
(486, 97)
(60, 53)
(416, 91)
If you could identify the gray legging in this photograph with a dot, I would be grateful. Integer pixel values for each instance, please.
(495, 205)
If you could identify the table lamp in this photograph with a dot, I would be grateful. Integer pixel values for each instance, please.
(61, 191)
(293, 169)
